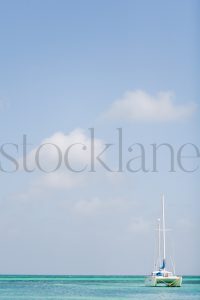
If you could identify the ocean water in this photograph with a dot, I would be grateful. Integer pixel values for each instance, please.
(93, 287)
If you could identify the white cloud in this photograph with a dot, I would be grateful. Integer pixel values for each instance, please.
(79, 154)
(79, 158)
(140, 106)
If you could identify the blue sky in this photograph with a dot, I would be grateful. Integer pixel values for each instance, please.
(63, 67)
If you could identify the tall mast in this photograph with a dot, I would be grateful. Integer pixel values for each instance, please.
(159, 260)
(163, 229)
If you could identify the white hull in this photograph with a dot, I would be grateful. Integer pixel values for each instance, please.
(171, 281)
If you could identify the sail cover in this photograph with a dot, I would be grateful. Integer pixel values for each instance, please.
(163, 265)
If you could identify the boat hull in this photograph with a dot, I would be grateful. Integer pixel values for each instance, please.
(171, 281)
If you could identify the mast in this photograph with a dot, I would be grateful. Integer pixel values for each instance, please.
(159, 260)
(163, 230)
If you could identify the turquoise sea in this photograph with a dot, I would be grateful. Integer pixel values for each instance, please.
(93, 287)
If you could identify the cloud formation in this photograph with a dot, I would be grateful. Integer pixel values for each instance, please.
(140, 106)
(79, 157)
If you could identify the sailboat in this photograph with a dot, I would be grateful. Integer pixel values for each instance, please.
(160, 276)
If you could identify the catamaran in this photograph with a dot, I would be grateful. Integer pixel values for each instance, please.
(160, 276)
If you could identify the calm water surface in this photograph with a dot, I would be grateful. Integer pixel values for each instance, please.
(93, 287)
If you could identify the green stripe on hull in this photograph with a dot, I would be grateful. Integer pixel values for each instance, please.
(169, 281)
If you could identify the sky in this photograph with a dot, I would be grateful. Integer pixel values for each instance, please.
(118, 67)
